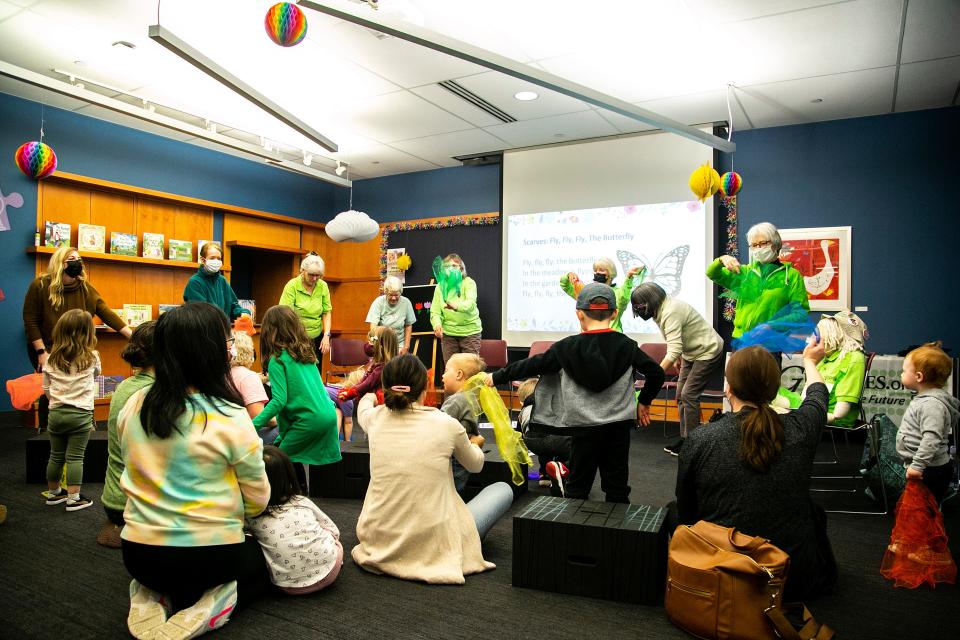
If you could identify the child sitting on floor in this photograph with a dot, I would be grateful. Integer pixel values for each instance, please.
(300, 543)
(460, 368)
(923, 437)
(546, 445)
(69, 380)
(381, 346)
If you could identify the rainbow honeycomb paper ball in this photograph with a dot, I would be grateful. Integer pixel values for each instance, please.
(704, 182)
(730, 183)
(36, 159)
(285, 24)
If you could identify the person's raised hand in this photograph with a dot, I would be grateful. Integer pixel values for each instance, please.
(730, 263)
(488, 379)
(814, 350)
(635, 270)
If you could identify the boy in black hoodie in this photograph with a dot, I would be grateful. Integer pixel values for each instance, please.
(586, 391)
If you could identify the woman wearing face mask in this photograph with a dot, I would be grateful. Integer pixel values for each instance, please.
(765, 289)
(456, 319)
(63, 287)
(309, 296)
(209, 285)
(690, 337)
(605, 272)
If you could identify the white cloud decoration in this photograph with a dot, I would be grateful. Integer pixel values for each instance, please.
(352, 226)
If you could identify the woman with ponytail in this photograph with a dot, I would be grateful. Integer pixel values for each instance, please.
(751, 468)
(413, 524)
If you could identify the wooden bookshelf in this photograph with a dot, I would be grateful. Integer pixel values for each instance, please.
(110, 257)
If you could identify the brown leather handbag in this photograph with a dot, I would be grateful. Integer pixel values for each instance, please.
(725, 585)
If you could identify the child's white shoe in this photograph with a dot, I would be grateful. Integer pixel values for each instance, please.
(148, 612)
(210, 612)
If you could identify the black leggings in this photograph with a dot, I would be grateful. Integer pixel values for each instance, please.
(184, 573)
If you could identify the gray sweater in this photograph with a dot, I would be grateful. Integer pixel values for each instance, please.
(458, 406)
(925, 429)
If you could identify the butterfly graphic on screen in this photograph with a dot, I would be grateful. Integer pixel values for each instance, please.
(664, 271)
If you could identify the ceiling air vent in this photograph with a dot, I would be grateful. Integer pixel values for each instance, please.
(476, 101)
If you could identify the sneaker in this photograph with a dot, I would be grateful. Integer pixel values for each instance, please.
(558, 471)
(109, 536)
(211, 611)
(56, 498)
(148, 611)
(674, 449)
(81, 502)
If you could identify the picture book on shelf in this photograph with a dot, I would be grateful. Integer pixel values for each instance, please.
(91, 237)
(102, 325)
(153, 246)
(123, 244)
(137, 313)
(163, 308)
(249, 305)
(180, 250)
(57, 234)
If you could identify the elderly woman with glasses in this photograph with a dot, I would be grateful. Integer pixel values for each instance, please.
(309, 296)
(766, 289)
(394, 311)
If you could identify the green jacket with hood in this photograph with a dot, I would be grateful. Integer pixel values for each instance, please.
(761, 290)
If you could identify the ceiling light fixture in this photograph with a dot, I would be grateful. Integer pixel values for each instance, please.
(476, 55)
(174, 44)
(341, 168)
(817, 100)
(307, 158)
(526, 96)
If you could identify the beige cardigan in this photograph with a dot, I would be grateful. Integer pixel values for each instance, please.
(413, 524)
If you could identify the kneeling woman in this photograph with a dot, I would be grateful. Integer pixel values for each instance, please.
(194, 469)
(413, 524)
(751, 468)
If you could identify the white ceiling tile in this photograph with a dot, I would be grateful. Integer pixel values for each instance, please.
(701, 108)
(570, 126)
(400, 116)
(7, 10)
(624, 124)
(456, 105)
(404, 63)
(499, 89)
(101, 113)
(840, 37)
(715, 11)
(858, 93)
(24, 3)
(928, 85)
(442, 148)
(383, 160)
(932, 30)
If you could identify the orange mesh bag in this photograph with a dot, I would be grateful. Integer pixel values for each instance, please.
(25, 390)
(918, 550)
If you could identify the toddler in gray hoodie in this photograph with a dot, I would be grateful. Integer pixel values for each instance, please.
(923, 438)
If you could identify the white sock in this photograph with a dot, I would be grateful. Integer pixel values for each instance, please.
(73, 497)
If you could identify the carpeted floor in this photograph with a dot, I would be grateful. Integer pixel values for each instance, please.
(57, 583)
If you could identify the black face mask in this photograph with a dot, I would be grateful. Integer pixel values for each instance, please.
(600, 277)
(73, 268)
(643, 311)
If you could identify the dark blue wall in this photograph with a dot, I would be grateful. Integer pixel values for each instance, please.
(98, 149)
(428, 194)
(894, 179)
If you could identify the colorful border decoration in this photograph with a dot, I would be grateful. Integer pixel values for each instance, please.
(730, 204)
(443, 223)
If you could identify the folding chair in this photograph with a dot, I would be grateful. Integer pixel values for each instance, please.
(657, 352)
(346, 354)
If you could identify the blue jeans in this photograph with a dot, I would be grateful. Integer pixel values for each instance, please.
(489, 506)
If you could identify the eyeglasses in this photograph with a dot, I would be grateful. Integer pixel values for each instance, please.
(761, 244)
(230, 341)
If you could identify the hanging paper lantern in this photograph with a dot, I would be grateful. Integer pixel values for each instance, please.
(704, 182)
(285, 23)
(352, 226)
(36, 159)
(730, 183)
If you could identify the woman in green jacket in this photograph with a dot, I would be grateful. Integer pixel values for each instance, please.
(766, 289)
(209, 285)
(605, 272)
(455, 318)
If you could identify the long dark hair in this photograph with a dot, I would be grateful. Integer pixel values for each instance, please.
(190, 352)
(753, 376)
(283, 330)
(282, 476)
(403, 371)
